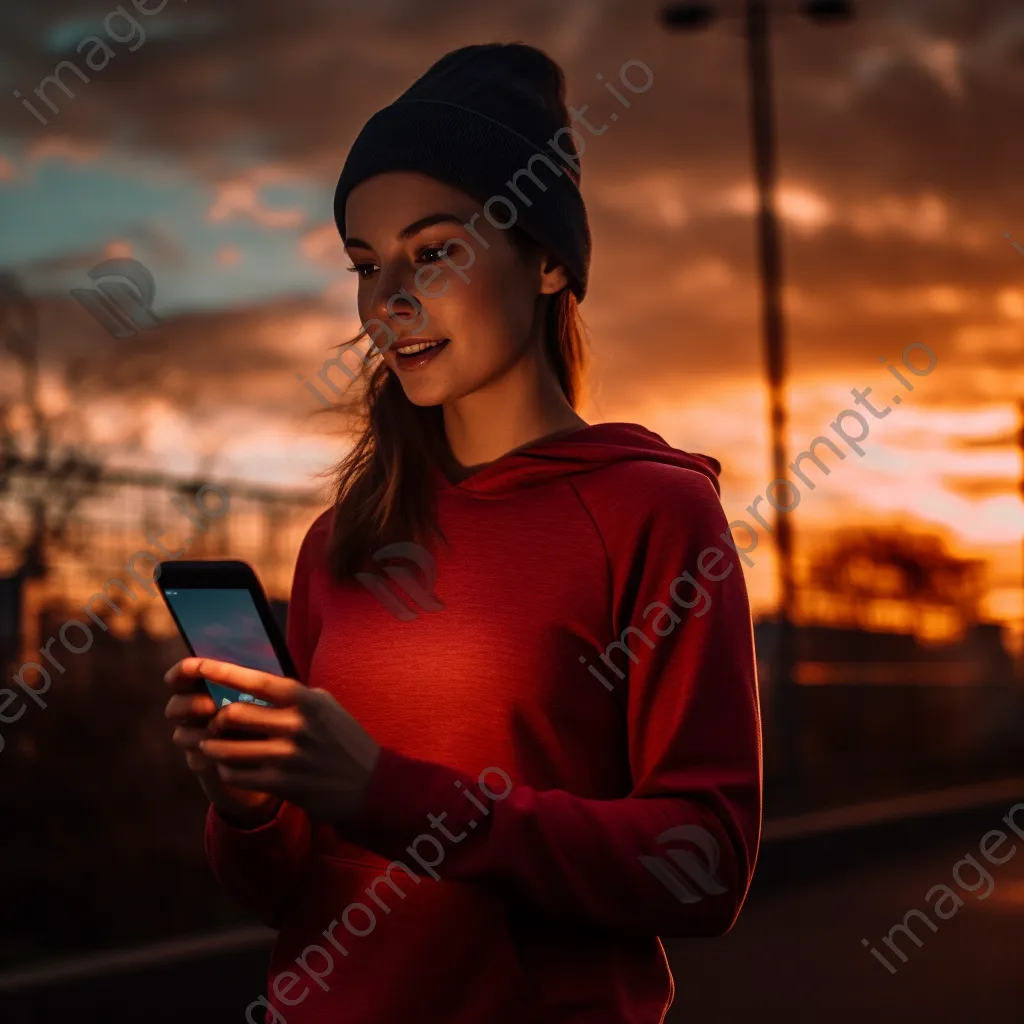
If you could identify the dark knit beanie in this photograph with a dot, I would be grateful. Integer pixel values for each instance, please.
(490, 120)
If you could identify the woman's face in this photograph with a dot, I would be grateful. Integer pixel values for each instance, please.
(478, 297)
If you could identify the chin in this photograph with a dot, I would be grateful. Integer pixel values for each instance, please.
(427, 392)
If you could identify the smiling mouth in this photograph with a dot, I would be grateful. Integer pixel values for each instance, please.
(419, 346)
(418, 353)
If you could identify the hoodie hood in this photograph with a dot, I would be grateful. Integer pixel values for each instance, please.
(581, 451)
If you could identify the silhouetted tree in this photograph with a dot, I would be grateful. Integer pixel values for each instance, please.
(864, 567)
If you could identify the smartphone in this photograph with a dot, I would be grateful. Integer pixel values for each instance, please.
(222, 612)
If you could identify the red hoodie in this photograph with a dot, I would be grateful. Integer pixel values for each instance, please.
(571, 761)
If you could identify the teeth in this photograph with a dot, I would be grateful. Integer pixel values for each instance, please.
(408, 350)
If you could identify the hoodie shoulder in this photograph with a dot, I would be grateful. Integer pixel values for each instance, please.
(681, 477)
(653, 487)
(314, 544)
(641, 507)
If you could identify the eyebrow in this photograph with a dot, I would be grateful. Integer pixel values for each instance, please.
(412, 229)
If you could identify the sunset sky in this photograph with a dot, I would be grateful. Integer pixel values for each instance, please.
(210, 153)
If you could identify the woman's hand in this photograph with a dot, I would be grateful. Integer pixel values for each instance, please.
(310, 750)
(191, 708)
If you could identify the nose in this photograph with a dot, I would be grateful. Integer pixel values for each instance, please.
(393, 298)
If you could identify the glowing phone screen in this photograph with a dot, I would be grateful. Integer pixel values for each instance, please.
(224, 624)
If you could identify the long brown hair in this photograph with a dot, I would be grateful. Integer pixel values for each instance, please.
(382, 489)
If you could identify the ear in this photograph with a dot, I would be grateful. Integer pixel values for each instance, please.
(553, 276)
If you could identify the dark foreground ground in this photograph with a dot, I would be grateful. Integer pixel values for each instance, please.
(794, 955)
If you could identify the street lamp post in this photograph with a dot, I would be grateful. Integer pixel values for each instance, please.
(687, 17)
(1020, 650)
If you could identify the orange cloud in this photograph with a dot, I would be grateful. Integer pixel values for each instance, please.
(241, 197)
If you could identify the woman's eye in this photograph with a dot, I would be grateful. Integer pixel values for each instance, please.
(359, 268)
(433, 248)
(365, 269)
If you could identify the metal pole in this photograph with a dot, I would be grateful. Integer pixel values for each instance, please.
(770, 260)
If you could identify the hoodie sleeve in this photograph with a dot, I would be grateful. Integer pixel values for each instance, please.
(676, 855)
(261, 866)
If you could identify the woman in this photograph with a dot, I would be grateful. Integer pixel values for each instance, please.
(500, 781)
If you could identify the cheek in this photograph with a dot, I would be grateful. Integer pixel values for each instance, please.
(514, 306)
(493, 339)
(363, 304)
(499, 300)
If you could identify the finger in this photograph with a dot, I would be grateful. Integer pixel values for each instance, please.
(197, 762)
(253, 718)
(277, 749)
(189, 738)
(183, 682)
(275, 689)
(188, 707)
